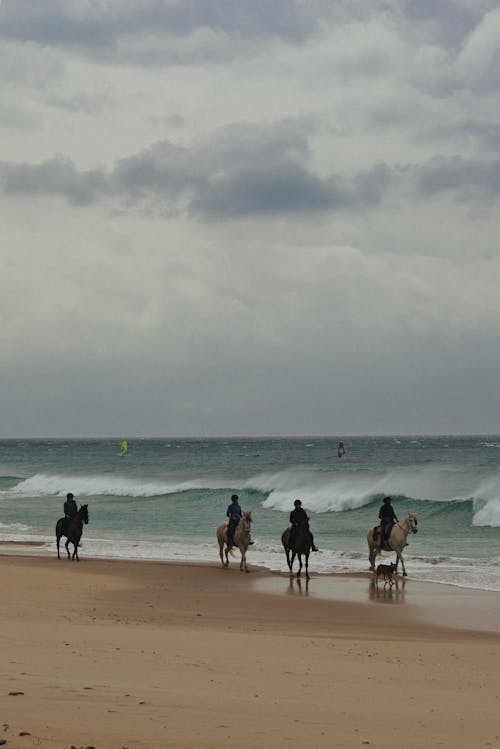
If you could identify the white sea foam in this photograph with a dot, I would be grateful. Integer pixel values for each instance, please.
(90, 486)
(13, 528)
(488, 515)
(329, 492)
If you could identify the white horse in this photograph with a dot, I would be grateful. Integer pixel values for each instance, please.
(241, 539)
(396, 541)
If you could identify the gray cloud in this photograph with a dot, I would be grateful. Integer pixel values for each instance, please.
(467, 133)
(268, 189)
(150, 32)
(247, 171)
(446, 22)
(58, 176)
(469, 179)
(102, 25)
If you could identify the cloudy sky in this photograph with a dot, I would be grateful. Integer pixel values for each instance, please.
(245, 217)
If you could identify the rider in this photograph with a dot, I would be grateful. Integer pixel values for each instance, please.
(234, 514)
(70, 509)
(296, 517)
(387, 518)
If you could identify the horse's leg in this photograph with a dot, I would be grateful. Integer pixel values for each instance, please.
(67, 549)
(400, 558)
(226, 551)
(373, 551)
(243, 563)
(287, 552)
(76, 542)
(307, 565)
(58, 539)
(221, 548)
(299, 557)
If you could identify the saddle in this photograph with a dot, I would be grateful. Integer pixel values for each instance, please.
(376, 536)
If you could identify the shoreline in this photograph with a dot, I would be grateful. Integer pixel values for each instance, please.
(162, 655)
(433, 603)
(454, 573)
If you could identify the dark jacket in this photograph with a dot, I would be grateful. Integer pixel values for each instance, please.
(234, 512)
(387, 514)
(70, 508)
(298, 515)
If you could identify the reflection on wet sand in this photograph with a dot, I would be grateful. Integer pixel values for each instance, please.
(295, 587)
(438, 604)
(387, 593)
(343, 588)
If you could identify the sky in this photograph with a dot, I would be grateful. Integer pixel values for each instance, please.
(227, 218)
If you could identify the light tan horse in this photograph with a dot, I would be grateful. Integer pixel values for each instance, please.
(396, 541)
(241, 540)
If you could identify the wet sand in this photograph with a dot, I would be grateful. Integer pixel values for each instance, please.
(152, 655)
(429, 603)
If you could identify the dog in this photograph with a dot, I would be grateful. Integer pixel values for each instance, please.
(387, 571)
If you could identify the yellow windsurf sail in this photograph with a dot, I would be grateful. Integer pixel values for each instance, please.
(123, 448)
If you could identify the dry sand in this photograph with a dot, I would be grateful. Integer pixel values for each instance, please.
(115, 654)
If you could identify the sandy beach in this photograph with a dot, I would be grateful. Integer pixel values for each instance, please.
(115, 654)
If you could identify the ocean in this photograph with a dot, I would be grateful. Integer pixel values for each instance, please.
(164, 499)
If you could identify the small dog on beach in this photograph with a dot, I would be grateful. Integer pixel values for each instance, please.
(387, 570)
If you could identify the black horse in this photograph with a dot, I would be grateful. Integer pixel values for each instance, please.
(73, 531)
(301, 547)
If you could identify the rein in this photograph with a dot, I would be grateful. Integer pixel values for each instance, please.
(410, 525)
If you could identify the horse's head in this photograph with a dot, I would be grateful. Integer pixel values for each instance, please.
(247, 516)
(84, 513)
(412, 519)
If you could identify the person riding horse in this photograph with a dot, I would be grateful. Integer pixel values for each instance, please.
(70, 510)
(234, 513)
(297, 516)
(387, 518)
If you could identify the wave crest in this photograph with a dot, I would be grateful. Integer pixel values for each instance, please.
(89, 486)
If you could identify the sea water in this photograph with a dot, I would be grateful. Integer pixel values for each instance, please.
(164, 499)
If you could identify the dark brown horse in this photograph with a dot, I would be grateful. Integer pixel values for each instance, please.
(73, 531)
(301, 547)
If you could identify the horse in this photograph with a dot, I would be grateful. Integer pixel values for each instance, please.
(302, 546)
(241, 539)
(73, 531)
(396, 541)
